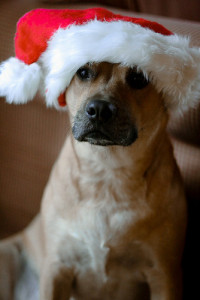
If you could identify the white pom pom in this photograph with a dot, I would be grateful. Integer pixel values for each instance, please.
(19, 82)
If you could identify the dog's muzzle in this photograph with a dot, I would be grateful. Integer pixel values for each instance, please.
(102, 123)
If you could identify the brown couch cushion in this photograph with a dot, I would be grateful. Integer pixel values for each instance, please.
(30, 138)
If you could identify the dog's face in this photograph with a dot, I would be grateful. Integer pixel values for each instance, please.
(111, 104)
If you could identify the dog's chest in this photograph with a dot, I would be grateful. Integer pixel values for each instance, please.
(92, 228)
(93, 235)
(95, 246)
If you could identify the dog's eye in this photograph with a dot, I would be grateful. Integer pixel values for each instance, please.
(85, 73)
(136, 80)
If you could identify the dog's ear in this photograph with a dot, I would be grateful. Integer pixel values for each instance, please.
(62, 100)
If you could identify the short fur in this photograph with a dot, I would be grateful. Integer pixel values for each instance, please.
(113, 217)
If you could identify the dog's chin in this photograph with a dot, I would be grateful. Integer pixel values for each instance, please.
(99, 138)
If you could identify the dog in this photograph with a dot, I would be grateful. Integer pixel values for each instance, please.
(113, 215)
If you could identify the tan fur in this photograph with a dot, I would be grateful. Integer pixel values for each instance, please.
(112, 221)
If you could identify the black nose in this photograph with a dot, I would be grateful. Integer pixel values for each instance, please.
(100, 110)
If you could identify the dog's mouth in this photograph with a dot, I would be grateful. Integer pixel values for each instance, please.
(98, 138)
(103, 123)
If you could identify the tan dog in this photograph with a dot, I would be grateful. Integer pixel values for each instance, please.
(113, 215)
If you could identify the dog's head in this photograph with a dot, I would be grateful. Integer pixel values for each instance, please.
(111, 104)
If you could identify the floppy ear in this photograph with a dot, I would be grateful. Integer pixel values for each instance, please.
(62, 100)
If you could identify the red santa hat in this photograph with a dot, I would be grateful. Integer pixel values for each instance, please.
(51, 45)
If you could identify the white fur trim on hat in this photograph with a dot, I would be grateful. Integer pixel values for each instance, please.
(19, 82)
(169, 61)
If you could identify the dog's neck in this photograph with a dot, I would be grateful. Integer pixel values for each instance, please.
(135, 159)
(85, 173)
(92, 162)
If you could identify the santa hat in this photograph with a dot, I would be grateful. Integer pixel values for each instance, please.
(51, 45)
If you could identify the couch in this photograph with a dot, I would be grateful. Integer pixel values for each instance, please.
(32, 135)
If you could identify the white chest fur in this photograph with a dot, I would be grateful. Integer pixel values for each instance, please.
(88, 241)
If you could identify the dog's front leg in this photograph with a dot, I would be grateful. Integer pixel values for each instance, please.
(165, 285)
(11, 262)
(56, 281)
